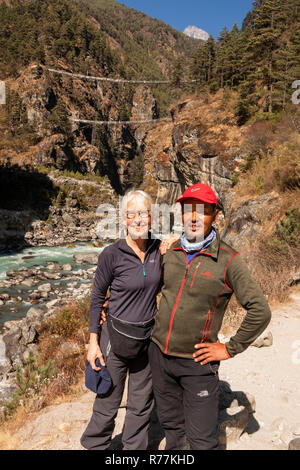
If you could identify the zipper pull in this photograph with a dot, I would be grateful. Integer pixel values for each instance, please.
(144, 270)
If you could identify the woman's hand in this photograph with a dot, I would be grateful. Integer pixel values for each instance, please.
(103, 317)
(167, 241)
(103, 313)
(94, 352)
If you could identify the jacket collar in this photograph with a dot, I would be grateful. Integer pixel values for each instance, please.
(151, 242)
(212, 250)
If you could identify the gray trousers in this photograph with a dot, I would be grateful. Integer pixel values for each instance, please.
(140, 403)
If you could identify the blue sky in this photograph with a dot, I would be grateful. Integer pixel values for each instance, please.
(210, 15)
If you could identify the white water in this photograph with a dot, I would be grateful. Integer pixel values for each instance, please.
(13, 260)
(60, 254)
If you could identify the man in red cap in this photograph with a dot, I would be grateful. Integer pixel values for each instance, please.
(200, 273)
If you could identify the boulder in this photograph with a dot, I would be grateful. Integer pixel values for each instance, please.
(53, 267)
(232, 423)
(28, 282)
(86, 258)
(295, 279)
(34, 316)
(19, 334)
(6, 390)
(32, 348)
(4, 296)
(35, 295)
(67, 267)
(264, 340)
(70, 219)
(10, 273)
(12, 340)
(45, 287)
(29, 334)
(52, 275)
(295, 444)
(67, 349)
(4, 362)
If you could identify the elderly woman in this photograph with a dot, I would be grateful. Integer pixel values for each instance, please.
(131, 268)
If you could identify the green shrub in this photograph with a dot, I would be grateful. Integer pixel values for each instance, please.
(288, 229)
(82, 202)
(61, 197)
(30, 380)
(64, 324)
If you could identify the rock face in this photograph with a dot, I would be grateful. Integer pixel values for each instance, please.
(55, 225)
(144, 108)
(19, 334)
(198, 145)
(246, 217)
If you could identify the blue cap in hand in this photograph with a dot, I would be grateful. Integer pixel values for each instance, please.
(98, 381)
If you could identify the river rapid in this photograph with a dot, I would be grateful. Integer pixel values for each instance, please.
(56, 262)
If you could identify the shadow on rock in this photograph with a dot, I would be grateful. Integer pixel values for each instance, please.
(25, 196)
(236, 409)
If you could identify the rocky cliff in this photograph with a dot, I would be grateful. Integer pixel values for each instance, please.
(200, 141)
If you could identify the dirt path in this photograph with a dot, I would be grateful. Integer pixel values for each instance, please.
(270, 374)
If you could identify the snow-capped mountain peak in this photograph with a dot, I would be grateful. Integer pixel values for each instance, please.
(197, 33)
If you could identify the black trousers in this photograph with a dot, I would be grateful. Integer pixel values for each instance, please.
(187, 399)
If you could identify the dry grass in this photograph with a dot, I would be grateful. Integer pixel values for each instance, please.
(277, 170)
(272, 267)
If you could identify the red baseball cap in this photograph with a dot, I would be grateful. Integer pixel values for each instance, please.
(200, 191)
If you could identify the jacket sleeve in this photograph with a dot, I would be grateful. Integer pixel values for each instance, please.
(102, 281)
(251, 297)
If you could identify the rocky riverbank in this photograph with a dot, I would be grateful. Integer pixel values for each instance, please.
(42, 284)
(46, 289)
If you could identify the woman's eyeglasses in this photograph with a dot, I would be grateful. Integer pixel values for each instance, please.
(142, 214)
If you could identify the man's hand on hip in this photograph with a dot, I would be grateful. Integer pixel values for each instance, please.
(208, 352)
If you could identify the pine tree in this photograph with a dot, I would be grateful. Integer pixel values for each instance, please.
(221, 56)
(203, 66)
(177, 72)
(268, 23)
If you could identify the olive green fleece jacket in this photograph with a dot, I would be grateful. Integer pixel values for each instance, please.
(194, 298)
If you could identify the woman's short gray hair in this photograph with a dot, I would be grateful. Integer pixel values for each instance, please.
(135, 195)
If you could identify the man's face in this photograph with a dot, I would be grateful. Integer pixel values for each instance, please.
(198, 218)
